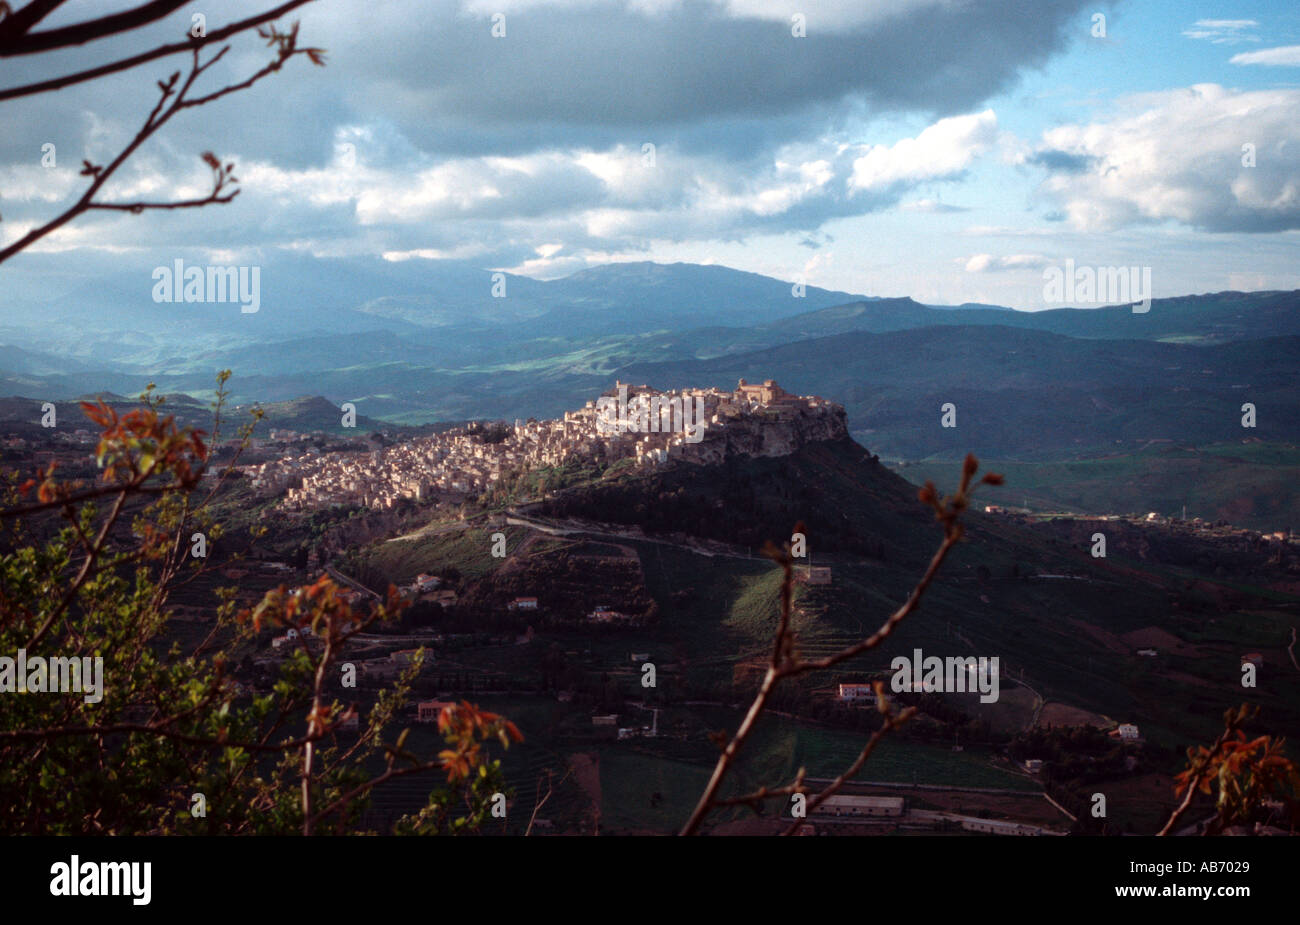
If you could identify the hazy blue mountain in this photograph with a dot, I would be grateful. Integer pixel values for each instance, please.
(417, 340)
(1211, 318)
(113, 320)
(333, 314)
(639, 297)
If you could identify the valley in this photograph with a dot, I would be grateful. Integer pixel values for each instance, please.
(660, 565)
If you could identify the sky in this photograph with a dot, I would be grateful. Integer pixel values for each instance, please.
(948, 150)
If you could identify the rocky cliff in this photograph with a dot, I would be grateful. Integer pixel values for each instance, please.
(779, 431)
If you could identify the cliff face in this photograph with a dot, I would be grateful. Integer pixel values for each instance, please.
(778, 432)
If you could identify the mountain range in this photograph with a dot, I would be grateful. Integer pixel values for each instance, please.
(416, 341)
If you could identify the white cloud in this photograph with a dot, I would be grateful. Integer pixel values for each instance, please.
(988, 263)
(942, 151)
(437, 253)
(1179, 155)
(932, 206)
(590, 199)
(817, 264)
(1223, 31)
(1283, 56)
(34, 183)
(820, 15)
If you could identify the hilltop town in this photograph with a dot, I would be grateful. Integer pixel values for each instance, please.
(651, 428)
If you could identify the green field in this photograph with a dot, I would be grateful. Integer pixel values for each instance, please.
(631, 775)
(1247, 484)
(467, 549)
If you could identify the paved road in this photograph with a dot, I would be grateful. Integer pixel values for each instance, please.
(569, 529)
(344, 579)
(433, 531)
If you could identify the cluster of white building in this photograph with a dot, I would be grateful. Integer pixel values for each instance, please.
(652, 427)
(451, 464)
(629, 422)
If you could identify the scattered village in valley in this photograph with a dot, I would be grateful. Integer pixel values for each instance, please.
(640, 427)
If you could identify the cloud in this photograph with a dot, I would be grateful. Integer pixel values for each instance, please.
(816, 240)
(1223, 31)
(942, 151)
(381, 195)
(426, 134)
(1181, 156)
(1283, 56)
(819, 15)
(835, 15)
(694, 74)
(931, 206)
(1061, 161)
(987, 263)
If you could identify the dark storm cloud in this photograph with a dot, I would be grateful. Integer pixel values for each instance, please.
(592, 75)
(433, 104)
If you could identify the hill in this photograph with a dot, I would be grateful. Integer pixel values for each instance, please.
(1023, 394)
(1198, 319)
(1057, 619)
(312, 413)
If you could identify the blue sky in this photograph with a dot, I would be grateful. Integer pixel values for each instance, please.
(942, 149)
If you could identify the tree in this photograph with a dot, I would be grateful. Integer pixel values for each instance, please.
(164, 740)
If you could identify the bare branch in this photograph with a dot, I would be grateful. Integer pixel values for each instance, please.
(171, 101)
(123, 64)
(24, 42)
(135, 208)
(20, 21)
(550, 789)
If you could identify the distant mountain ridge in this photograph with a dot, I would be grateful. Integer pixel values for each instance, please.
(417, 341)
(305, 414)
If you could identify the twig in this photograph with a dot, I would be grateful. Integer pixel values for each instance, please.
(170, 101)
(161, 51)
(891, 722)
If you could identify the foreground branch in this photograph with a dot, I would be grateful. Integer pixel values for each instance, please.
(162, 51)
